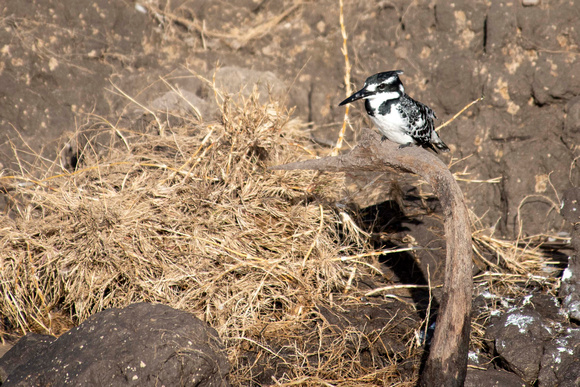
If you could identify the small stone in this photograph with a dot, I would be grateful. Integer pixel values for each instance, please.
(530, 3)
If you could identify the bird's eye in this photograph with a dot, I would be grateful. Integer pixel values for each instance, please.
(382, 86)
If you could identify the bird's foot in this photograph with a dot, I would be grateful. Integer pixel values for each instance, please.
(405, 145)
(383, 138)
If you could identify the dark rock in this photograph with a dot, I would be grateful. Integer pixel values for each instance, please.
(561, 361)
(546, 305)
(531, 22)
(570, 287)
(523, 337)
(141, 345)
(572, 123)
(550, 84)
(537, 34)
(570, 375)
(514, 141)
(518, 337)
(455, 82)
(500, 26)
(460, 24)
(520, 85)
(492, 378)
(25, 349)
(571, 205)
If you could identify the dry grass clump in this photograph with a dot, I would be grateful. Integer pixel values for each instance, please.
(514, 263)
(193, 220)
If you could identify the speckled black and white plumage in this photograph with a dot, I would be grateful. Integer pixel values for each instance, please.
(397, 116)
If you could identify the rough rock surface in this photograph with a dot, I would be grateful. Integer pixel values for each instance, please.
(140, 345)
(492, 378)
(520, 335)
(560, 364)
(28, 347)
(570, 288)
(519, 342)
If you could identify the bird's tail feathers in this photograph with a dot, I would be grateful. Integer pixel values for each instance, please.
(438, 143)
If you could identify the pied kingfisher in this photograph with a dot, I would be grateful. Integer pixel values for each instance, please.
(398, 117)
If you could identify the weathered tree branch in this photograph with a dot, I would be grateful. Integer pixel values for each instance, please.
(447, 362)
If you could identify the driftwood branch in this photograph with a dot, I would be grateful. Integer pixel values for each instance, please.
(447, 361)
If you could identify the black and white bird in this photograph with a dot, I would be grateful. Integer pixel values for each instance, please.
(398, 117)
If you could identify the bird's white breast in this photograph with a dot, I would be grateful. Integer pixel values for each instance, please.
(392, 125)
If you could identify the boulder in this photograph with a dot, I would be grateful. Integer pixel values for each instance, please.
(560, 364)
(140, 345)
(519, 335)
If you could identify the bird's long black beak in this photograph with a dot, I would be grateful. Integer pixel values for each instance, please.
(358, 95)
